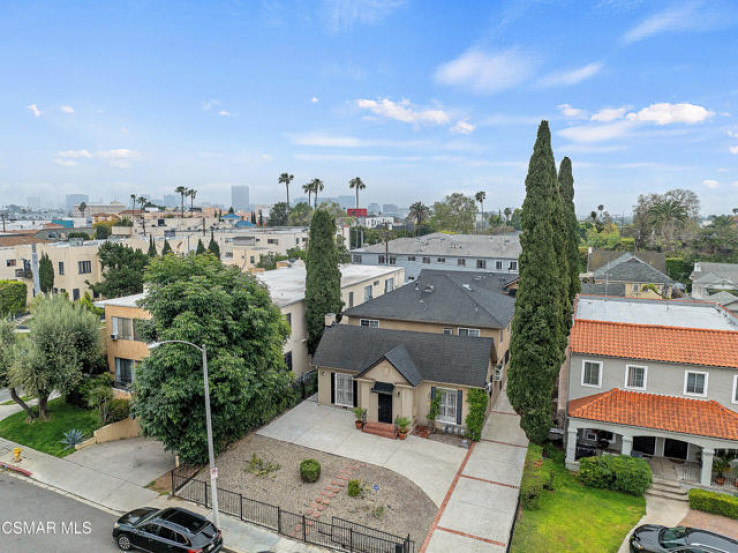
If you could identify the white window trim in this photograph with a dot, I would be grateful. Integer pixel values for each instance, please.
(335, 386)
(451, 333)
(686, 379)
(599, 378)
(645, 377)
(369, 321)
(468, 330)
(455, 393)
(733, 398)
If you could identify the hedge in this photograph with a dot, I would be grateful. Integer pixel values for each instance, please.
(12, 297)
(535, 479)
(477, 399)
(713, 502)
(310, 470)
(620, 473)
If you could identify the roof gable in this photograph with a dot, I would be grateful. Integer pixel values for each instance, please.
(628, 268)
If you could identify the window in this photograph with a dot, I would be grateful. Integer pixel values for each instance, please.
(356, 258)
(426, 260)
(481, 264)
(10, 263)
(461, 262)
(474, 332)
(123, 328)
(592, 374)
(381, 260)
(393, 260)
(373, 323)
(351, 299)
(288, 360)
(85, 267)
(448, 405)
(441, 260)
(75, 294)
(344, 390)
(635, 377)
(272, 241)
(252, 260)
(449, 331)
(513, 265)
(289, 320)
(734, 398)
(389, 285)
(61, 268)
(368, 294)
(498, 265)
(411, 258)
(123, 371)
(297, 241)
(695, 383)
(167, 533)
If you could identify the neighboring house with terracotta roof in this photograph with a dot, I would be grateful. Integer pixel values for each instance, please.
(652, 378)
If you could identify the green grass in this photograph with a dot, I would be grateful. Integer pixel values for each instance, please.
(46, 435)
(12, 402)
(574, 518)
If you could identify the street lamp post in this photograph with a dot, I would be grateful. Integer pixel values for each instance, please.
(209, 423)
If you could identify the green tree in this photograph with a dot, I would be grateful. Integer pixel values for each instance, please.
(167, 249)
(516, 219)
(152, 247)
(46, 274)
(143, 201)
(308, 189)
(357, 184)
(507, 211)
(82, 208)
(7, 360)
(197, 299)
(278, 215)
(213, 246)
(300, 215)
(200, 247)
(13, 295)
(480, 197)
(323, 279)
(457, 213)
(123, 270)
(64, 341)
(192, 193)
(230, 210)
(183, 191)
(286, 179)
(419, 213)
(535, 345)
(78, 234)
(102, 231)
(566, 186)
(317, 186)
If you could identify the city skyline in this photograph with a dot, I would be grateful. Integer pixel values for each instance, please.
(140, 99)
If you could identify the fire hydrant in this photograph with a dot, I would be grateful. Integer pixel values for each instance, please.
(17, 454)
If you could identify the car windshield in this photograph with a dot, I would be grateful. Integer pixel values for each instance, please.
(673, 537)
(146, 518)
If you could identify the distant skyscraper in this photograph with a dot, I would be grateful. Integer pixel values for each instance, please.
(389, 210)
(346, 201)
(375, 209)
(75, 199)
(240, 197)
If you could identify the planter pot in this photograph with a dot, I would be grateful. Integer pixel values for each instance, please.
(359, 424)
(720, 480)
(402, 435)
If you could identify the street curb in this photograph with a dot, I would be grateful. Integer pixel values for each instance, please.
(8, 466)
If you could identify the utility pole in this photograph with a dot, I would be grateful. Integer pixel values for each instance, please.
(386, 245)
(2, 216)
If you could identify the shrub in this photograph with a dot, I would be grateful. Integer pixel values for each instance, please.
(354, 488)
(713, 502)
(118, 409)
(72, 438)
(310, 470)
(259, 467)
(12, 297)
(533, 479)
(477, 399)
(82, 394)
(620, 473)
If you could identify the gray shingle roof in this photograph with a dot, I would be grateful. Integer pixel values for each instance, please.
(463, 298)
(598, 258)
(707, 273)
(628, 268)
(605, 289)
(442, 358)
(505, 246)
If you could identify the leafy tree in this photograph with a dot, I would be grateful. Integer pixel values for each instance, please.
(152, 247)
(213, 246)
(418, 213)
(78, 234)
(516, 219)
(197, 299)
(456, 213)
(323, 280)
(200, 247)
(357, 184)
(719, 239)
(167, 249)
(278, 215)
(102, 231)
(566, 187)
(333, 209)
(300, 215)
(7, 361)
(123, 270)
(64, 341)
(666, 219)
(286, 179)
(13, 295)
(46, 274)
(535, 345)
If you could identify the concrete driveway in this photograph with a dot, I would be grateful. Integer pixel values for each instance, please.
(137, 460)
(429, 464)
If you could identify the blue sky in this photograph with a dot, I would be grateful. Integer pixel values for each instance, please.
(419, 98)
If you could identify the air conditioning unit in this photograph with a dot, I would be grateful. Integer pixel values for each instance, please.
(114, 336)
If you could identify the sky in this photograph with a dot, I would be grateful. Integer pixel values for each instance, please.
(419, 98)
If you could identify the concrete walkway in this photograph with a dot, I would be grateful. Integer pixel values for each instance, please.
(429, 464)
(479, 509)
(659, 510)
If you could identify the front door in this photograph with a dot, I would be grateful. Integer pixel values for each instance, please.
(384, 409)
(676, 449)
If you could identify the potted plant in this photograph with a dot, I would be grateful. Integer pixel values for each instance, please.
(359, 413)
(403, 425)
(720, 465)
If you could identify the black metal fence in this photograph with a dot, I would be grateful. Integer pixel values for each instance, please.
(338, 534)
(306, 385)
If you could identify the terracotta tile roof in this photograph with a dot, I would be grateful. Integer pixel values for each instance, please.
(692, 346)
(673, 414)
(19, 240)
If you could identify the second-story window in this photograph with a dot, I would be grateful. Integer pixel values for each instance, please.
(122, 328)
(382, 260)
(513, 265)
(61, 268)
(498, 265)
(411, 258)
(592, 374)
(695, 383)
(85, 267)
(481, 264)
(461, 262)
(474, 332)
(356, 258)
(426, 260)
(635, 377)
(372, 323)
(389, 285)
(368, 292)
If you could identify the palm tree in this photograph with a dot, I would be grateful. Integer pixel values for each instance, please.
(600, 208)
(357, 184)
(507, 212)
(480, 197)
(418, 213)
(318, 186)
(182, 191)
(143, 201)
(286, 179)
(191, 192)
(83, 207)
(134, 199)
(308, 188)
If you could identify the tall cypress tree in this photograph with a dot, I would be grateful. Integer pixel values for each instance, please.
(213, 245)
(200, 247)
(167, 249)
(536, 341)
(323, 282)
(559, 224)
(566, 186)
(152, 247)
(46, 274)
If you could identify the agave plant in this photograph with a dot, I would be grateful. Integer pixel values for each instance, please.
(73, 438)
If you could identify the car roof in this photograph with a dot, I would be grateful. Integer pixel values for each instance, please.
(705, 538)
(183, 520)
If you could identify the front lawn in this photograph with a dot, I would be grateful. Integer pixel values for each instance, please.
(46, 435)
(574, 518)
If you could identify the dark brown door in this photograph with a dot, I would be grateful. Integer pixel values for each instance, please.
(384, 410)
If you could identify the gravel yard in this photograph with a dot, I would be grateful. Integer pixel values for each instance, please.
(398, 506)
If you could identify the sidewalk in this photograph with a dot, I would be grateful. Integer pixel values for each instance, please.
(481, 504)
(120, 495)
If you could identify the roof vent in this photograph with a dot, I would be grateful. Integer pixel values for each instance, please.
(478, 278)
(466, 287)
(428, 288)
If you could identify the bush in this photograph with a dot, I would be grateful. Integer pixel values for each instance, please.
(354, 488)
(310, 470)
(713, 502)
(477, 399)
(534, 479)
(12, 297)
(118, 409)
(81, 395)
(620, 473)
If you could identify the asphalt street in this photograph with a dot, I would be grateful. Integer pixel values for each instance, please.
(33, 519)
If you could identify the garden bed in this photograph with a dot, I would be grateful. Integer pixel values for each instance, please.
(396, 506)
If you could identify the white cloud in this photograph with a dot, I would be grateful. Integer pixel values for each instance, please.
(462, 127)
(597, 133)
(67, 109)
(734, 150)
(686, 17)
(34, 109)
(266, 158)
(344, 14)
(572, 112)
(224, 113)
(74, 154)
(711, 183)
(314, 100)
(665, 114)
(404, 111)
(575, 76)
(341, 141)
(207, 105)
(65, 162)
(609, 114)
(486, 72)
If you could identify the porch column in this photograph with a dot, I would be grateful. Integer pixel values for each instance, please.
(571, 444)
(707, 457)
(627, 446)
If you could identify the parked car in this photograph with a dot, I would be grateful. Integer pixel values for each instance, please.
(171, 530)
(651, 538)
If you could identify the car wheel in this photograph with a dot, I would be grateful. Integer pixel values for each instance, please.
(124, 542)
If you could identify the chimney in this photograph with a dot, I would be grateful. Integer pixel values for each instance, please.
(330, 319)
